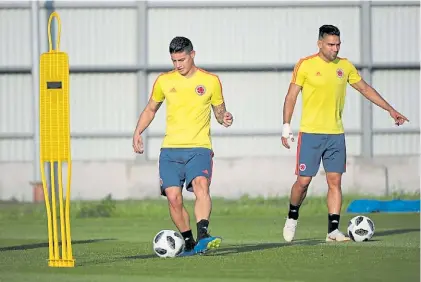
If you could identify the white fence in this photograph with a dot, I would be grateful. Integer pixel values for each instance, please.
(117, 49)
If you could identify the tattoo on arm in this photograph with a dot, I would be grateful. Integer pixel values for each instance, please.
(147, 116)
(219, 112)
(158, 105)
(154, 106)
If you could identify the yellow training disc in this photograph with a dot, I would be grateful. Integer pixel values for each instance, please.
(55, 146)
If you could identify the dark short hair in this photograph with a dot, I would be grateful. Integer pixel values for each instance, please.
(180, 44)
(328, 29)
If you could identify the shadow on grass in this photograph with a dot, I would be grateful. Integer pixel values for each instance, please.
(234, 249)
(395, 232)
(45, 245)
(110, 259)
(237, 249)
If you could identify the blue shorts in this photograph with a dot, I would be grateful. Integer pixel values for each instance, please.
(179, 166)
(313, 148)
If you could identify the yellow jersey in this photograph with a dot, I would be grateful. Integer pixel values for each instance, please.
(323, 92)
(188, 102)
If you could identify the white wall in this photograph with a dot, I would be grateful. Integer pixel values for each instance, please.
(109, 102)
(222, 36)
(227, 36)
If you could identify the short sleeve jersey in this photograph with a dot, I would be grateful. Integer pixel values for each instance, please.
(188, 103)
(323, 92)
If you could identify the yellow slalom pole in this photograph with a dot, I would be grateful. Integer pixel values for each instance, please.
(55, 147)
(48, 209)
(62, 217)
(54, 209)
(68, 234)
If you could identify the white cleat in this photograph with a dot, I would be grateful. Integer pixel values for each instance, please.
(289, 229)
(336, 236)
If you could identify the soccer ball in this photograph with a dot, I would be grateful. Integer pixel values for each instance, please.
(360, 228)
(168, 244)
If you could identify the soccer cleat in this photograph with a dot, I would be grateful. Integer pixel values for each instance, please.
(188, 249)
(207, 243)
(337, 236)
(289, 229)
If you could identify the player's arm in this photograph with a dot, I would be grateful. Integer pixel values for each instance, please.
(295, 86)
(219, 112)
(218, 106)
(297, 82)
(290, 101)
(147, 115)
(372, 95)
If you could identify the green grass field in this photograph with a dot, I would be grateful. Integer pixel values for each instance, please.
(117, 246)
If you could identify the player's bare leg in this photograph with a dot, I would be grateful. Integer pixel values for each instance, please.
(334, 204)
(299, 190)
(298, 194)
(179, 215)
(202, 210)
(203, 204)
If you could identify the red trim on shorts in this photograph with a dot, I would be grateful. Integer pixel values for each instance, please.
(211, 163)
(297, 158)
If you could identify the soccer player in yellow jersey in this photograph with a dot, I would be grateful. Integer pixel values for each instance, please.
(322, 78)
(186, 153)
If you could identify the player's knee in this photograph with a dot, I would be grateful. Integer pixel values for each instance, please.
(334, 180)
(200, 186)
(303, 182)
(174, 197)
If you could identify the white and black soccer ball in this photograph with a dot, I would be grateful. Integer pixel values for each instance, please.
(361, 228)
(168, 244)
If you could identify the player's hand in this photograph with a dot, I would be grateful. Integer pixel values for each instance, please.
(138, 143)
(286, 134)
(228, 119)
(398, 117)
